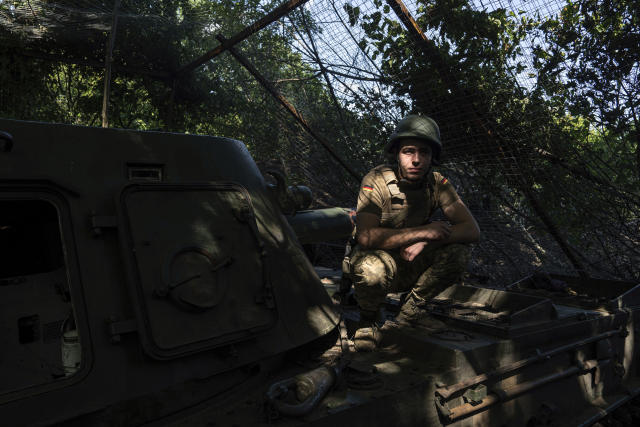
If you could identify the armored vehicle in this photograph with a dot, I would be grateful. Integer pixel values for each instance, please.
(150, 278)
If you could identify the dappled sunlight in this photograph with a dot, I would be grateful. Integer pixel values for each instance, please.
(629, 352)
(321, 318)
(273, 229)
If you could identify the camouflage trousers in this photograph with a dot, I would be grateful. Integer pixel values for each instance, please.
(375, 273)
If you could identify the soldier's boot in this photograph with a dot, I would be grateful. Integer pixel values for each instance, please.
(367, 337)
(412, 313)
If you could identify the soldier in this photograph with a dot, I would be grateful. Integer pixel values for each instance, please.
(398, 247)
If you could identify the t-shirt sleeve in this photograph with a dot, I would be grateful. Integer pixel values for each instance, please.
(370, 196)
(446, 192)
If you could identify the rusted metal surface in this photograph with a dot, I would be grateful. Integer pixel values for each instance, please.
(502, 395)
(448, 391)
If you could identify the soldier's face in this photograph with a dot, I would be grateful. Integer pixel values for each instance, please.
(414, 158)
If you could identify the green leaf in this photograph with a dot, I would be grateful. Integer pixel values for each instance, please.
(353, 13)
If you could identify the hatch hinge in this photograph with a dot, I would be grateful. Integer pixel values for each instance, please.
(101, 222)
(266, 297)
(6, 140)
(117, 328)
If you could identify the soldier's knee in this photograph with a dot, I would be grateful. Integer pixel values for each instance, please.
(373, 269)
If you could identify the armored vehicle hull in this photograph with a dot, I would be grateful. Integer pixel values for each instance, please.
(508, 358)
(162, 259)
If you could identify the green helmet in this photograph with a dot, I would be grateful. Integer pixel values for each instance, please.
(417, 127)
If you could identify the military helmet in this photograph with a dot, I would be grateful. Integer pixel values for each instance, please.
(417, 127)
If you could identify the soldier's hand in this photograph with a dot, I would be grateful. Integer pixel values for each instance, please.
(410, 252)
(437, 230)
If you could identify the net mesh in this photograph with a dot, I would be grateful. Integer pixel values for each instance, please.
(543, 153)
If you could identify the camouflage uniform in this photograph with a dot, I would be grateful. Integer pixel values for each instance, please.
(378, 272)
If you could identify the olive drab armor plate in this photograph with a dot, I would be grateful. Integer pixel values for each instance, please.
(196, 266)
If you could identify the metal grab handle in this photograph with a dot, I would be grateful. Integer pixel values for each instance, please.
(209, 300)
(498, 394)
(310, 388)
(447, 392)
(169, 287)
(165, 289)
(8, 141)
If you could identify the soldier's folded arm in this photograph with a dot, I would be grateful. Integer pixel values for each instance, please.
(464, 229)
(372, 236)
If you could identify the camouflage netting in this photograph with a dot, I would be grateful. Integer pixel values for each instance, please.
(537, 102)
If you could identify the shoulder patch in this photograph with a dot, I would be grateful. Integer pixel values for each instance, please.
(367, 188)
(444, 181)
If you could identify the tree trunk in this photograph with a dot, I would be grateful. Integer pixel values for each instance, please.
(638, 150)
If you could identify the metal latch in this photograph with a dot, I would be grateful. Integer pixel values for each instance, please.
(118, 327)
(101, 222)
